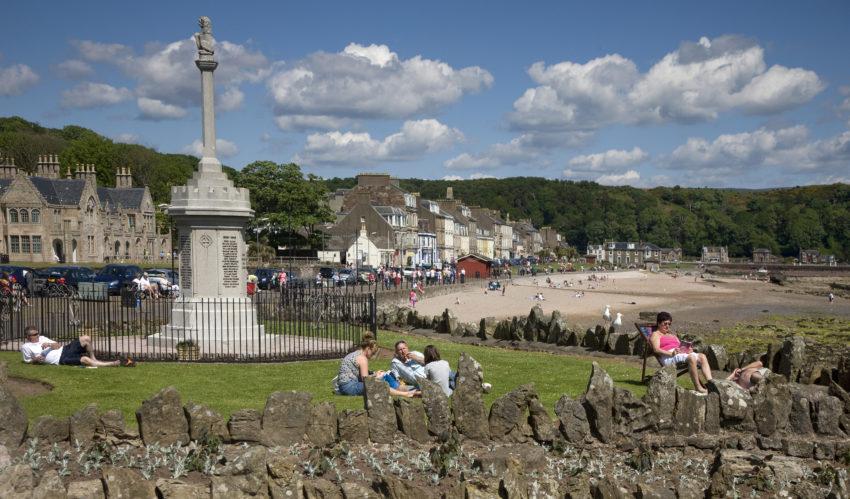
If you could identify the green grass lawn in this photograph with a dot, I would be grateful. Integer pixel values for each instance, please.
(229, 387)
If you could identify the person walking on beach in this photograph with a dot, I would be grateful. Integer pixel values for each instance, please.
(831, 297)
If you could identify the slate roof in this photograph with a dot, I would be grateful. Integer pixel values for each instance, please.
(389, 210)
(65, 192)
(124, 198)
(4, 184)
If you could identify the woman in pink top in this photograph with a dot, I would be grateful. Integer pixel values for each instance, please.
(668, 350)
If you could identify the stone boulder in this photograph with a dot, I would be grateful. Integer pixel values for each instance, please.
(50, 429)
(436, 405)
(286, 416)
(83, 424)
(245, 425)
(285, 475)
(161, 419)
(448, 323)
(521, 457)
(379, 407)
(598, 401)
(538, 325)
(487, 328)
(508, 415)
(771, 405)
(205, 422)
(111, 423)
(470, 416)
(17, 481)
(689, 418)
(321, 488)
(660, 396)
(169, 488)
(792, 358)
(518, 328)
(542, 426)
(624, 344)
(14, 419)
(631, 414)
(717, 357)
(736, 405)
(410, 417)
(126, 483)
(50, 487)
(86, 489)
(572, 417)
(828, 416)
(322, 428)
(353, 426)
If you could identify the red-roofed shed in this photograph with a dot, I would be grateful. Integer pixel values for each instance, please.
(475, 265)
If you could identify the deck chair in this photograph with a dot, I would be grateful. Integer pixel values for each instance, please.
(646, 329)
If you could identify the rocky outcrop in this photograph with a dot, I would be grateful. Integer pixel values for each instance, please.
(598, 401)
(322, 427)
(14, 419)
(245, 425)
(509, 415)
(717, 357)
(50, 429)
(470, 417)
(126, 483)
(661, 396)
(353, 426)
(379, 407)
(161, 419)
(736, 405)
(771, 405)
(205, 422)
(436, 405)
(792, 357)
(286, 417)
(410, 417)
(572, 417)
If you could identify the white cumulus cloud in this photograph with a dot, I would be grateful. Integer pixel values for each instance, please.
(224, 148)
(74, 69)
(89, 95)
(166, 77)
(630, 177)
(156, 110)
(414, 140)
(126, 138)
(473, 176)
(303, 122)
(694, 83)
(609, 160)
(370, 82)
(16, 79)
(524, 149)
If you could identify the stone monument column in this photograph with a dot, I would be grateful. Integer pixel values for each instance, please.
(210, 214)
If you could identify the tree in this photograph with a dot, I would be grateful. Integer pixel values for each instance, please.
(289, 202)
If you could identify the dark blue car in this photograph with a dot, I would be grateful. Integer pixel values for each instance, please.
(74, 274)
(117, 276)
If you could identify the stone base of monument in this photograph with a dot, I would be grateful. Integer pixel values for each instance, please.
(218, 326)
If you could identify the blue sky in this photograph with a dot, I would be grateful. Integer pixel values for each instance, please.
(728, 94)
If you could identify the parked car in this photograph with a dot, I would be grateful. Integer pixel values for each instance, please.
(326, 272)
(346, 277)
(16, 271)
(162, 278)
(118, 276)
(72, 274)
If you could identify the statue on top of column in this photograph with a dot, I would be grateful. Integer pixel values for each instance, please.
(204, 39)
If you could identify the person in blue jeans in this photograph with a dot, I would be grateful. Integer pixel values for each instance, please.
(354, 368)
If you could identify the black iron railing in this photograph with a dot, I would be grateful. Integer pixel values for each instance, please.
(296, 323)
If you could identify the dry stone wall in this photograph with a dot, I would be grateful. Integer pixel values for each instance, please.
(783, 438)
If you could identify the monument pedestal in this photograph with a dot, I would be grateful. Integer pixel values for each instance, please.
(217, 325)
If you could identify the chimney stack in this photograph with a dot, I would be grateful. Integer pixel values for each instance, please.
(85, 172)
(450, 193)
(47, 166)
(8, 169)
(123, 178)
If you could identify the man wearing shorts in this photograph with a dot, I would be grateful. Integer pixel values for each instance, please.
(749, 375)
(42, 350)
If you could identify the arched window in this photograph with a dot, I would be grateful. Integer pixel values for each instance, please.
(25, 216)
(13, 216)
(35, 216)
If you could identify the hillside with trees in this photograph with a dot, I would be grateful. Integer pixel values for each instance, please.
(783, 220)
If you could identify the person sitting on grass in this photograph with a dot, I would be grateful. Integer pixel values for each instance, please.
(354, 368)
(669, 350)
(42, 350)
(438, 370)
(407, 365)
(749, 375)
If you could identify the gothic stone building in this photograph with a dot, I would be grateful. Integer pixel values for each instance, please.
(46, 218)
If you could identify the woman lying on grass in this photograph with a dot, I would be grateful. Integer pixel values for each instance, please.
(354, 368)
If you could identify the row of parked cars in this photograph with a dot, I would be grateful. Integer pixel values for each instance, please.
(116, 276)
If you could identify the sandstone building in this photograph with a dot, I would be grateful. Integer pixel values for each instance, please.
(47, 218)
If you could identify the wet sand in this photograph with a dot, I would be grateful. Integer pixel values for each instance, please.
(699, 304)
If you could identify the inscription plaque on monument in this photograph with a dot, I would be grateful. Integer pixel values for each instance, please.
(229, 262)
(185, 261)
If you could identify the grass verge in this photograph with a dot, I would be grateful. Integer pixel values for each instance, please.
(230, 387)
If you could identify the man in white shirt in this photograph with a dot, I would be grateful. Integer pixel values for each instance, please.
(42, 350)
(407, 365)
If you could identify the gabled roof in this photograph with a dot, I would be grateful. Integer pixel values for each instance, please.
(477, 257)
(65, 192)
(124, 198)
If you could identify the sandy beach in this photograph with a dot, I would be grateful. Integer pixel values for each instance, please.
(701, 303)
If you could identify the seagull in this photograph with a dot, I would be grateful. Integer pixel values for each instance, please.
(618, 321)
(606, 315)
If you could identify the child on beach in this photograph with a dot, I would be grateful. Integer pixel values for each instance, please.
(413, 298)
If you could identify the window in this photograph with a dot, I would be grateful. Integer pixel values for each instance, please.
(13, 216)
(15, 244)
(36, 244)
(131, 221)
(25, 216)
(25, 244)
(35, 216)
